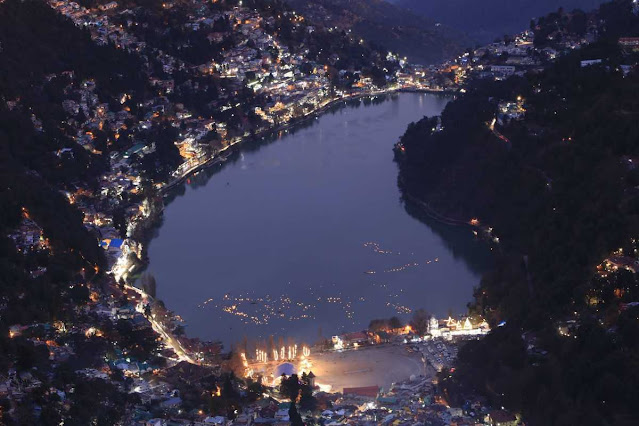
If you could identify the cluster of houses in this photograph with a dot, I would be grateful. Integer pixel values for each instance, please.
(28, 235)
(497, 61)
(510, 110)
(57, 336)
(446, 329)
(617, 262)
(102, 31)
(413, 401)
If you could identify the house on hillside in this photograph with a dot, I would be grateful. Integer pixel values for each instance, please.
(367, 392)
(108, 6)
(501, 418)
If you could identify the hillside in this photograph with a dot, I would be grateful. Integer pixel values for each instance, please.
(390, 27)
(483, 21)
(554, 186)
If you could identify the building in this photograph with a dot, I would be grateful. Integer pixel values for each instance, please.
(590, 62)
(503, 70)
(112, 243)
(629, 44)
(358, 338)
(451, 327)
(622, 262)
(433, 327)
(108, 6)
(365, 392)
(311, 379)
(133, 150)
(501, 418)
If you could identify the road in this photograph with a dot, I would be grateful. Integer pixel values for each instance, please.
(159, 328)
(496, 132)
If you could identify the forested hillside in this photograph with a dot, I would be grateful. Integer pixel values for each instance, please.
(556, 192)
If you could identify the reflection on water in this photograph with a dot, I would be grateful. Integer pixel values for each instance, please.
(307, 230)
(455, 240)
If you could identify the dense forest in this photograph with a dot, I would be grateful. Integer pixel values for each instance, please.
(558, 191)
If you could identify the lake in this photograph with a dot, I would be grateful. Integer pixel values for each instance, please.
(307, 235)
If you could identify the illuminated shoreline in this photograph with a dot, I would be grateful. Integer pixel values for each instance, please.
(128, 266)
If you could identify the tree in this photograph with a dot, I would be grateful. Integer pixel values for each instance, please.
(307, 401)
(119, 220)
(419, 322)
(50, 415)
(236, 364)
(254, 390)
(377, 325)
(294, 416)
(395, 322)
(229, 390)
(179, 330)
(149, 285)
(290, 387)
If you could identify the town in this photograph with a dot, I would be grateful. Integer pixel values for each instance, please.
(194, 108)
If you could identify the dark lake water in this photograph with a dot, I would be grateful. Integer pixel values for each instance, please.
(308, 234)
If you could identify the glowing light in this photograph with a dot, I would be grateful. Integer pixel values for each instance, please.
(324, 388)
